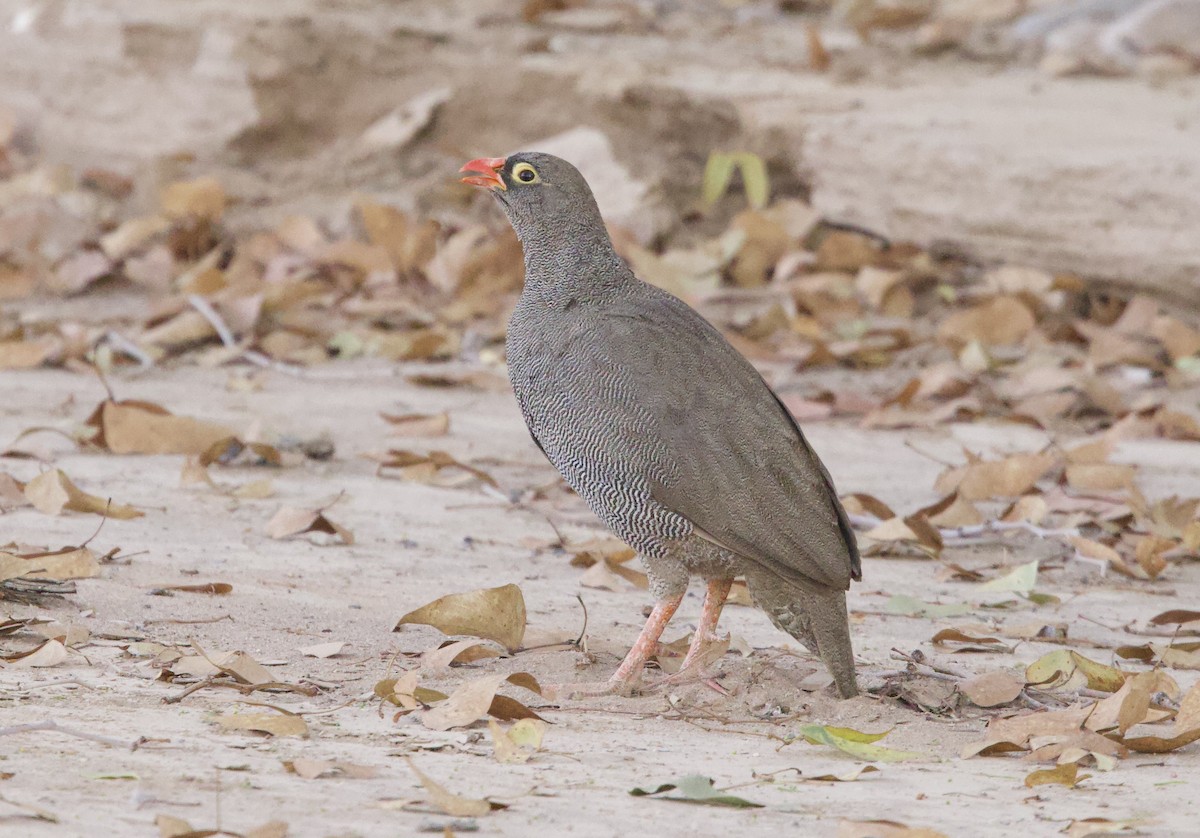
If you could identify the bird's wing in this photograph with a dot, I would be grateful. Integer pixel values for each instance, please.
(746, 477)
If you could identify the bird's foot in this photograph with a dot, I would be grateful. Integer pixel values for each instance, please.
(591, 689)
(689, 677)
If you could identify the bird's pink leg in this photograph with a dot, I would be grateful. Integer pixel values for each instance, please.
(647, 642)
(710, 613)
(628, 672)
(693, 667)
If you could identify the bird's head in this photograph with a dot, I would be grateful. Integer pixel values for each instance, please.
(537, 191)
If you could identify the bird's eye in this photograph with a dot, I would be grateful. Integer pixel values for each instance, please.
(525, 173)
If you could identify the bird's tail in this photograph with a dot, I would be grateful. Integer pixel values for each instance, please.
(816, 616)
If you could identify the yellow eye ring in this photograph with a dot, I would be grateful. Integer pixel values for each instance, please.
(525, 173)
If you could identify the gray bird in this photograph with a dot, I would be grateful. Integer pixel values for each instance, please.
(671, 436)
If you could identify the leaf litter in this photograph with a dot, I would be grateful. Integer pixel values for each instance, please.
(991, 343)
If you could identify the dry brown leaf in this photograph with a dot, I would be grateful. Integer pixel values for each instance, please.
(49, 653)
(1103, 826)
(884, 829)
(458, 651)
(984, 479)
(491, 613)
(1065, 775)
(973, 643)
(291, 520)
(1188, 717)
(211, 588)
(1000, 321)
(426, 467)
(26, 354)
(68, 563)
(52, 491)
(953, 511)
(1101, 477)
(859, 504)
(449, 803)
(323, 650)
(474, 700)
(1067, 669)
(276, 724)
(1130, 705)
(311, 769)
(133, 427)
(418, 424)
(202, 198)
(992, 689)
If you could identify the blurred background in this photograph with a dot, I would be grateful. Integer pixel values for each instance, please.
(1060, 133)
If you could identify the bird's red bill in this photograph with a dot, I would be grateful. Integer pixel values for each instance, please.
(485, 172)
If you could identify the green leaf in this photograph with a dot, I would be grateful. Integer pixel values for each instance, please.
(696, 789)
(913, 607)
(717, 174)
(1020, 580)
(854, 742)
(754, 179)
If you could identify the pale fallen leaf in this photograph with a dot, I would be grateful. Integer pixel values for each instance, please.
(50, 653)
(1066, 775)
(323, 650)
(52, 491)
(884, 829)
(992, 689)
(491, 613)
(418, 424)
(291, 520)
(519, 742)
(276, 724)
(311, 769)
(474, 700)
(134, 427)
(446, 801)
(68, 563)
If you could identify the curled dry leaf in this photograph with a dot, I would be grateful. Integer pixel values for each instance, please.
(1066, 774)
(136, 427)
(491, 613)
(458, 651)
(49, 653)
(1067, 669)
(476, 699)
(211, 588)
(311, 769)
(291, 520)
(418, 424)
(1103, 826)
(695, 789)
(64, 564)
(426, 467)
(52, 491)
(969, 642)
(1019, 580)
(1131, 705)
(323, 650)
(992, 689)
(884, 829)
(275, 724)
(1001, 321)
(983, 479)
(449, 803)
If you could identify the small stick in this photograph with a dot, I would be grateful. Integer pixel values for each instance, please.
(50, 724)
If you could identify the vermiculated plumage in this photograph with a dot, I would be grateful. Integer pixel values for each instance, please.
(671, 436)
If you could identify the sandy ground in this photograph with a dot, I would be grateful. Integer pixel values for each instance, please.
(415, 542)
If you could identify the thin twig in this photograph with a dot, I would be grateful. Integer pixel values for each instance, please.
(50, 724)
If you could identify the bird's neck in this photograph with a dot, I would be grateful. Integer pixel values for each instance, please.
(578, 262)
